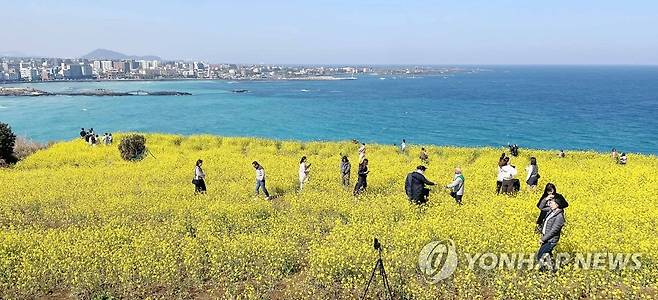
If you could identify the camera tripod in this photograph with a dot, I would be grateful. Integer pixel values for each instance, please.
(379, 264)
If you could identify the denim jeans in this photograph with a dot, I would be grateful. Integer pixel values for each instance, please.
(259, 184)
(546, 248)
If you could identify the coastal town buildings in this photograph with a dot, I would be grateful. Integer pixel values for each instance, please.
(30, 69)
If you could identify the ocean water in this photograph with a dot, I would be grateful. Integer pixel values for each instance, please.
(546, 107)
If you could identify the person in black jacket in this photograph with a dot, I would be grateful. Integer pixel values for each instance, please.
(362, 183)
(550, 193)
(414, 186)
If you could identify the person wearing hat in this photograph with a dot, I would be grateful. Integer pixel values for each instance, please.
(415, 186)
(551, 230)
(457, 186)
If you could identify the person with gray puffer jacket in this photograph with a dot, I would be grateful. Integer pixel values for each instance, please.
(550, 232)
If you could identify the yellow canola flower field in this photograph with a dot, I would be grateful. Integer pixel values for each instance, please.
(78, 222)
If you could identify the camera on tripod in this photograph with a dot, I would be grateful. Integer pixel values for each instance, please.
(379, 265)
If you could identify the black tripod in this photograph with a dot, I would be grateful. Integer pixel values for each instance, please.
(382, 272)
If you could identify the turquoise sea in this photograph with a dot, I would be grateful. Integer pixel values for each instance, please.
(547, 107)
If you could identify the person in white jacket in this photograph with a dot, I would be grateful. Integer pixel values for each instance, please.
(260, 179)
(362, 152)
(199, 178)
(533, 174)
(508, 172)
(304, 169)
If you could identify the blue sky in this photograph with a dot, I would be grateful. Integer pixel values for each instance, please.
(340, 32)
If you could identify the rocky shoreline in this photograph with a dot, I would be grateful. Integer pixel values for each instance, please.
(32, 92)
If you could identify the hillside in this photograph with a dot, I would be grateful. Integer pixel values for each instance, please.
(113, 55)
(77, 221)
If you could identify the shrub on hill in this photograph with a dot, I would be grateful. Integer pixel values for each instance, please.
(133, 147)
(7, 142)
(25, 147)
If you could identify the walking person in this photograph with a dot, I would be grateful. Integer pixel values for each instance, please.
(303, 172)
(623, 159)
(457, 186)
(424, 157)
(533, 174)
(508, 173)
(199, 180)
(260, 180)
(362, 182)
(414, 186)
(403, 146)
(550, 234)
(110, 139)
(345, 169)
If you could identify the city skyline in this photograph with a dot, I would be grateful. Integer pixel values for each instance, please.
(341, 32)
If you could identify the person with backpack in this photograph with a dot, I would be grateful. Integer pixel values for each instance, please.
(345, 169)
(414, 186)
(362, 182)
(457, 186)
(533, 174)
(508, 173)
(260, 179)
(199, 180)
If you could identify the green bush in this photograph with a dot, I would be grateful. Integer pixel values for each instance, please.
(7, 142)
(133, 147)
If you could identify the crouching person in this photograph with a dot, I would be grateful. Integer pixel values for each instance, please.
(415, 186)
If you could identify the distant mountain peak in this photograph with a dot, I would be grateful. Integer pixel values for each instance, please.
(113, 55)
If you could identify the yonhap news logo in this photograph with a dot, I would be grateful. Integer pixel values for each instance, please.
(438, 260)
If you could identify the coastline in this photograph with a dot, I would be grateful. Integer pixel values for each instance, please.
(503, 148)
(313, 78)
(32, 92)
